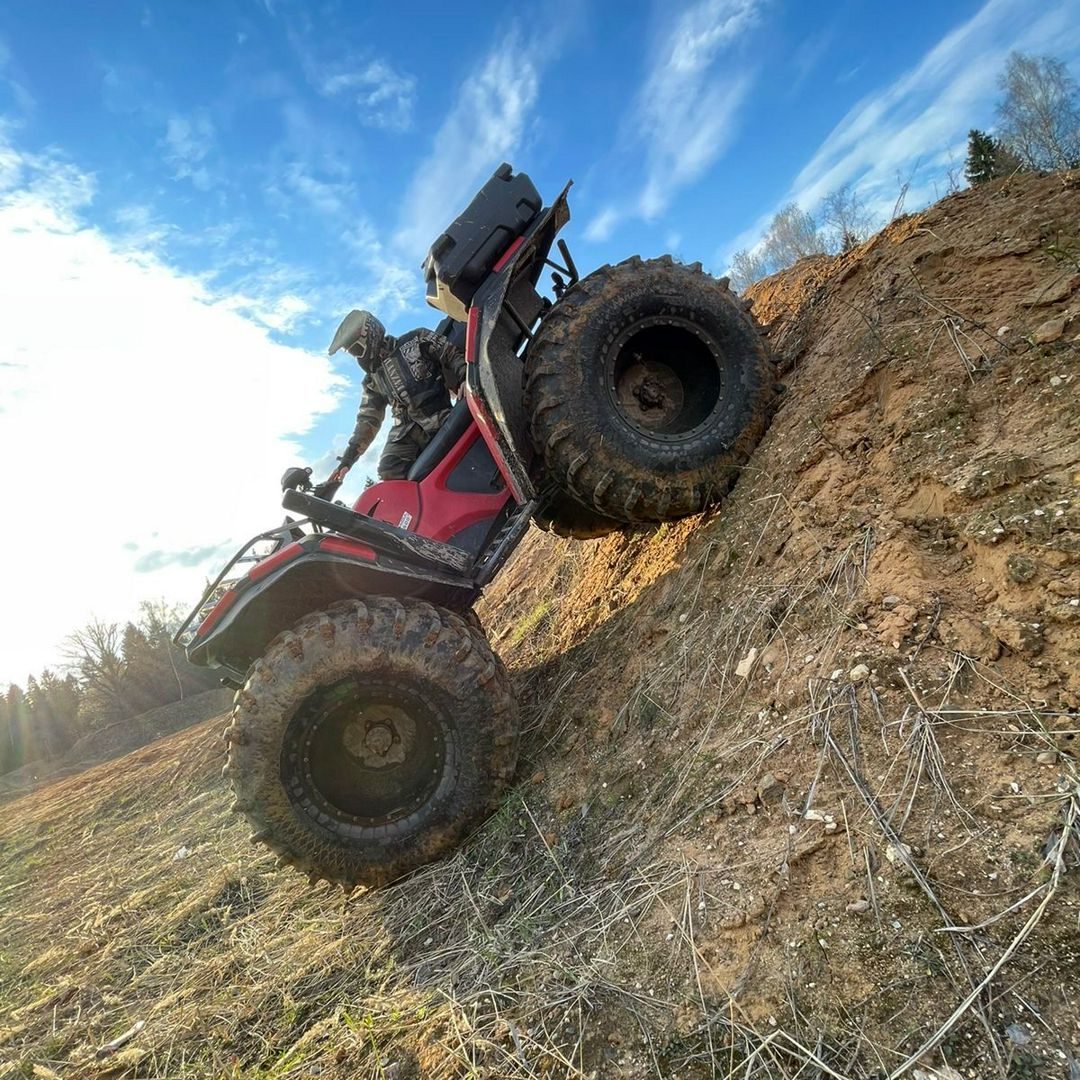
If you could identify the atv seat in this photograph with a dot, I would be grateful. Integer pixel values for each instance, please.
(454, 426)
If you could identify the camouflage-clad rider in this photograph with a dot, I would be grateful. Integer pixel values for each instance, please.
(413, 374)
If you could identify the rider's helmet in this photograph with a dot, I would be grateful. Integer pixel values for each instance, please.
(365, 337)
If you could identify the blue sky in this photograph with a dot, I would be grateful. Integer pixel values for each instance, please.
(192, 195)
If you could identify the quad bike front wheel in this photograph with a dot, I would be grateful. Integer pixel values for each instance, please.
(647, 387)
(370, 737)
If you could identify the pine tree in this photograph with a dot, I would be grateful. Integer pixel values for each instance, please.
(980, 157)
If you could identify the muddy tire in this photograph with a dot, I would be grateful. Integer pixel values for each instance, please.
(647, 387)
(565, 516)
(369, 738)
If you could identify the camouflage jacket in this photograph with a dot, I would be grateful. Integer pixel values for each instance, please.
(415, 380)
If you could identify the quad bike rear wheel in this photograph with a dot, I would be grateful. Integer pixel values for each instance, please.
(647, 387)
(370, 737)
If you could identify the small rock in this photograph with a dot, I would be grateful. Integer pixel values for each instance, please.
(181, 853)
(1018, 1034)
(769, 788)
(1021, 568)
(814, 815)
(859, 673)
(538, 777)
(1049, 331)
(746, 664)
(831, 827)
(1056, 381)
(1047, 757)
(836, 674)
(899, 853)
(857, 907)
(891, 602)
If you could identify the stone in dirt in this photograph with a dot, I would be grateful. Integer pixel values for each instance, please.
(769, 788)
(746, 664)
(1047, 757)
(1021, 568)
(1049, 331)
(898, 853)
(859, 673)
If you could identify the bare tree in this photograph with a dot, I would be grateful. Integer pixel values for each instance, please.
(793, 234)
(844, 218)
(1039, 117)
(96, 654)
(748, 267)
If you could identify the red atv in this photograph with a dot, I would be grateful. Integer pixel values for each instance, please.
(373, 725)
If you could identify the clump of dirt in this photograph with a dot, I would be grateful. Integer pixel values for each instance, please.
(799, 792)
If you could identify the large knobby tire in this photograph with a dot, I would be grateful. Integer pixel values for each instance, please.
(565, 516)
(369, 738)
(648, 386)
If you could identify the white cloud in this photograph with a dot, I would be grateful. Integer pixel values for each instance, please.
(147, 418)
(603, 224)
(188, 140)
(915, 128)
(385, 98)
(334, 197)
(484, 127)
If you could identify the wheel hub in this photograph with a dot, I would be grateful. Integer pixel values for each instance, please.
(650, 391)
(664, 376)
(376, 739)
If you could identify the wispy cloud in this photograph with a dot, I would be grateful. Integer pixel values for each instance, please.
(11, 84)
(385, 98)
(486, 125)
(188, 140)
(914, 129)
(687, 110)
(151, 561)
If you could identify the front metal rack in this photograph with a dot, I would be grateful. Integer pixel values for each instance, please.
(222, 583)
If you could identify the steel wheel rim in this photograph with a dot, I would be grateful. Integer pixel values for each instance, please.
(364, 753)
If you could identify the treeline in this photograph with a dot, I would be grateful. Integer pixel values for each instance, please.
(111, 673)
(1038, 129)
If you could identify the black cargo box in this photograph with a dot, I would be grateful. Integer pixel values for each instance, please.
(463, 256)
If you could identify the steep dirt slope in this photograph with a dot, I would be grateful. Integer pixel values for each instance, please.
(799, 793)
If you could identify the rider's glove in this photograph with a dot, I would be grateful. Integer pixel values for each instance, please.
(328, 488)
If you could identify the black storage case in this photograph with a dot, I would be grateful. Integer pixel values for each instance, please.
(463, 256)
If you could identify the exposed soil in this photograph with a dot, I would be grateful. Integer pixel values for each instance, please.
(799, 793)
